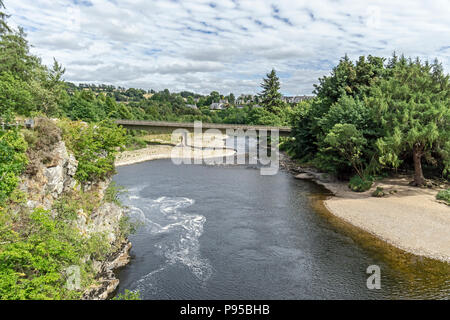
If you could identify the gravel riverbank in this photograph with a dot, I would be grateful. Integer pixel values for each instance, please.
(407, 217)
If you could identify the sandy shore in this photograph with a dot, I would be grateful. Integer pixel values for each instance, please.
(141, 155)
(168, 152)
(210, 147)
(408, 218)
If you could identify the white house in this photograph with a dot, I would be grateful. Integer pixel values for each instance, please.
(217, 106)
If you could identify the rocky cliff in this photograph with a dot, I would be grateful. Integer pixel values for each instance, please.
(51, 177)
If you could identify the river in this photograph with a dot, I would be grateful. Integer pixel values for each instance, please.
(227, 232)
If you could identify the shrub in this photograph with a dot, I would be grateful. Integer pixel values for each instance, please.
(128, 295)
(444, 195)
(113, 192)
(359, 184)
(95, 147)
(378, 193)
(135, 143)
(12, 161)
(127, 227)
(68, 205)
(42, 143)
(35, 252)
(32, 259)
(345, 143)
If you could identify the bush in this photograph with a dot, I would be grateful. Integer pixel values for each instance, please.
(35, 252)
(359, 184)
(127, 227)
(32, 259)
(12, 161)
(42, 141)
(128, 295)
(68, 205)
(379, 193)
(444, 195)
(135, 143)
(113, 192)
(95, 147)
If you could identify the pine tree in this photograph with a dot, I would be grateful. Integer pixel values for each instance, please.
(271, 97)
(3, 16)
(414, 108)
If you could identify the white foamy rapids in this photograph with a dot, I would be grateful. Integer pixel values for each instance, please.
(187, 249)
(181, 243)
(148, 282)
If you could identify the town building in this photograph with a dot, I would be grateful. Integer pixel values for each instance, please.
(296, 99)
(217, 106)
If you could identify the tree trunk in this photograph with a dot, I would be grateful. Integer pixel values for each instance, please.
(419, 179)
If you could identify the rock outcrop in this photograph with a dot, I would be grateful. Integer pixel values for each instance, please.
(51, 180)
(107, 282)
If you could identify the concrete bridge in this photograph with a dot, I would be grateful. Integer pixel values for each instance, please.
(163, 126)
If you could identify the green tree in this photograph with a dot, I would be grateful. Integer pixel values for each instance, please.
(270, 96)
(190, 100)
(95, 146)
(231, 98)
(3, 16)
(85, 106)
(15, 56)
(28, 86)
(349, 143)
(414, 108)
(214, 96)
(15, 95)
(340, 98)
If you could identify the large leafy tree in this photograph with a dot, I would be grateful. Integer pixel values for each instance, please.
(349, 143)
(346, 87)
(15, 95)
(270, 96)
(414, 107)
(26, 85)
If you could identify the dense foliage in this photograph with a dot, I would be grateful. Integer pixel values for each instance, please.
(128, 295)
(94, 146)
(13, 161)
(413, 106)
(373, 115)
(444, 195)
(89, 105)
(36, 250)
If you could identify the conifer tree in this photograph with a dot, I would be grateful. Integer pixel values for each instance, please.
(3, 16)
(414, 108)
(270, 96)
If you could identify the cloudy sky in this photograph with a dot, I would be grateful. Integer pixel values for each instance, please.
(225, 45)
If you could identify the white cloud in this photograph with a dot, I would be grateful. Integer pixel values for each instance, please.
(225, 45)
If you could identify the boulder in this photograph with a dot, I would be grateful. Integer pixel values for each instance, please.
(305, 176)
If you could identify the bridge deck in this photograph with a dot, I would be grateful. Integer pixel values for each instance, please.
(205, 126)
